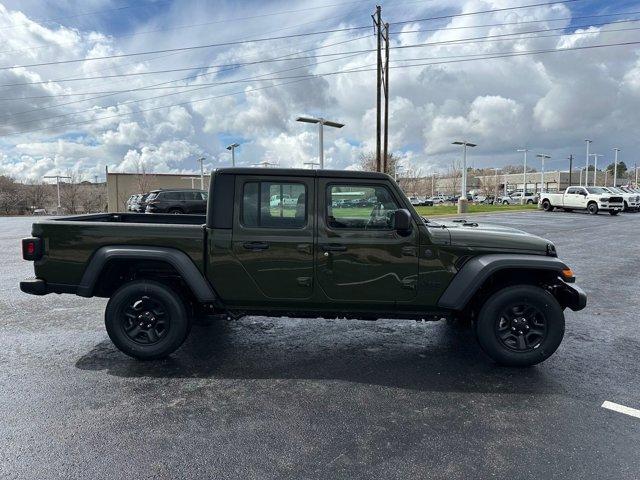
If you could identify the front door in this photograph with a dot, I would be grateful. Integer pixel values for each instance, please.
(273, 236)
(360, 257)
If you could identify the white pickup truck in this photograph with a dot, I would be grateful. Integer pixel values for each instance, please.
(592, 199)
(631, 199)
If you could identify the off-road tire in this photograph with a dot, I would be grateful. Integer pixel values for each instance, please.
(491, 320)
(169, 317)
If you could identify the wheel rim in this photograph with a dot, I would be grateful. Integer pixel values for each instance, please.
(145, 320)
(521, 328)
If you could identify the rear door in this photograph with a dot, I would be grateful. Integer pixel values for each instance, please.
(360, 257)
(273, 239)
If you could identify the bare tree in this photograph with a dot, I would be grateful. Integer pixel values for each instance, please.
(454, 177)
(38, 194)
(70, 193)
(368, 162)
(145, 180)
(92, 197)
(10, 196)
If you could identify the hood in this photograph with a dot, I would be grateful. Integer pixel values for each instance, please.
(494, 237)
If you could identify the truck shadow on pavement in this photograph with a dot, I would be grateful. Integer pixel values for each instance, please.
(410, 355)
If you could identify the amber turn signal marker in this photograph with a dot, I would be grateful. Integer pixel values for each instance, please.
(567, 273)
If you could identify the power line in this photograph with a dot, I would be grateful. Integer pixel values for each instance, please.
(200, 67)
(281, 37)
(84, 14)
(195, 87)
(461, 41)
(306, 77)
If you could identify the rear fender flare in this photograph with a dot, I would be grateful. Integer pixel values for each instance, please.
(176, 258)
(477, 270)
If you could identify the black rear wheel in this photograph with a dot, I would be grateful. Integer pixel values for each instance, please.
(146, 320)
(520, 326)
(546, 206)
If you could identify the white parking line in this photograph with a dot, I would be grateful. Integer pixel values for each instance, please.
(621, 409)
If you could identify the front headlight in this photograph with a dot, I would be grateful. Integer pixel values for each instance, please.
(605, 200)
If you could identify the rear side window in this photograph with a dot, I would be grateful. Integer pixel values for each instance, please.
(274, 205)
(360, 207)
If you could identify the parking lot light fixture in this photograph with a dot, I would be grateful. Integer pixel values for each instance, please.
(542, 157)
(321, 123)
(462, 201)
(586, 172)
(232, 148)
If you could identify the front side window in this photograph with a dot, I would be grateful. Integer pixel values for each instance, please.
(360, 207)
(274, 205)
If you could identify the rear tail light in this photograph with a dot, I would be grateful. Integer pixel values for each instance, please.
(32, 248)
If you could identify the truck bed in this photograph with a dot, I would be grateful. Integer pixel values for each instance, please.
(71, 241)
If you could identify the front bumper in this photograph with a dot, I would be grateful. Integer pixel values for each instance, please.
(572, 296)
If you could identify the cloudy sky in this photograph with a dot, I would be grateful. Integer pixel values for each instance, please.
(157, 102)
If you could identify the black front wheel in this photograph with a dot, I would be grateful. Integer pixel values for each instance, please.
(592, 208)
(146, 320)
(546, 205)
(520, 326)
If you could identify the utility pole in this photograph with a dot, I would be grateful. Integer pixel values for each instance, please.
(586, 172)
(377, 22)
(233, 147)
(201, 161)
(433, 183)
(321, 123)
(496, 181)
(57, 177)
(570, 168)
(386, 99)
(615, 167)
(524, 174)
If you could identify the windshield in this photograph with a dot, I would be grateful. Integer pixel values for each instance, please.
(596, 190)
(615, 190)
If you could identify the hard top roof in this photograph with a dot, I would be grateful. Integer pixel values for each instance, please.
(299, 172)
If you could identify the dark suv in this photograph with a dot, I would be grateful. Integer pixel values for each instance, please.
(177, 201)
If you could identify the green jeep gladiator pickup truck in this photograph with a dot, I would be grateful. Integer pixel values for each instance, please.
(350, 246)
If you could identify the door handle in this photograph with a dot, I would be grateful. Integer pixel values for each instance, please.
(334, 247)
(255, 245)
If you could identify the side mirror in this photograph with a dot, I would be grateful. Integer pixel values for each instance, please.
(402, 220)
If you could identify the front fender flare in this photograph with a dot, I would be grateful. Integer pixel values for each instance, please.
(176, 258)
(478, 269)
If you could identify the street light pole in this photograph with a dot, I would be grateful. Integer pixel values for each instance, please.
(542, 157)
(57, 177)
(615, 167)
(595, 168)
(496, 182)
(462, 201)
(586, 172)
(233, 147)
(524, 174)
(201, 161)
(321, 123)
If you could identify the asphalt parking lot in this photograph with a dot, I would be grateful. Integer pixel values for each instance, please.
(264, 398)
